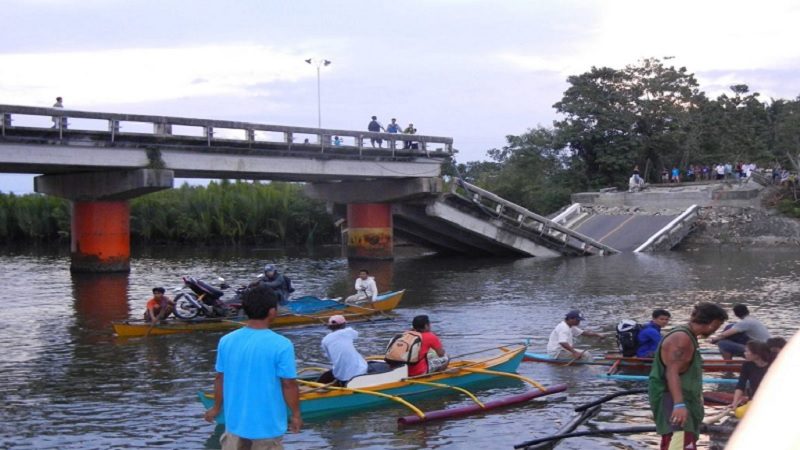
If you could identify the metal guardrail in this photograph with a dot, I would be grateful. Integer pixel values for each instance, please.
(555, 233)
(670, 228)
(162, 126)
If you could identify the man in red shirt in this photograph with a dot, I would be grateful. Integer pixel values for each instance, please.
(159, 307)
(422, 325)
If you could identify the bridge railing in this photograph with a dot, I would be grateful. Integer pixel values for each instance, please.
(518, 216)
(221, 131)
(671, 233)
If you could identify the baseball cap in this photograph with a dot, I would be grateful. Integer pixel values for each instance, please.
(574, 314)
(337, 320)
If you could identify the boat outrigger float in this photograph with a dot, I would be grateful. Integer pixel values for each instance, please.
(354, 313)
(396, 387)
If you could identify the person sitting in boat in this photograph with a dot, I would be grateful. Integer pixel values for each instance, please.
(650, 335)
(563, 336)
(279, 283)
(338, 345)
(159, 307)
(775, 345)
(366, 289)
(433, 357)
(757, 357)
(733, 338)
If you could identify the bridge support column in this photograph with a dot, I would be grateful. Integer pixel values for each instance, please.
(100, 240)
(100, 235)
(369, 233)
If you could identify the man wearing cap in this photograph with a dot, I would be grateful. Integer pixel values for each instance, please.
(563, 336)
(338, 346)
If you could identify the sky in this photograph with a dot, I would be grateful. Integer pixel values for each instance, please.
(472, 70)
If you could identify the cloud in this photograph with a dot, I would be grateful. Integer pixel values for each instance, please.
(703, 36)
(146, 74)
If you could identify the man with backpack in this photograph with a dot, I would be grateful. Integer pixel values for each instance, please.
(412, 347)
(375, 127)
(650, 335)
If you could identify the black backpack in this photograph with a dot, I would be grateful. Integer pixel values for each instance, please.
(628, 337)
(287, 283)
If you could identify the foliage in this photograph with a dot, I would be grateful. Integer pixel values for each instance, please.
(651, 115)
(220, 213)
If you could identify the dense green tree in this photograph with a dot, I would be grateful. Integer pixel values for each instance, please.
(617, 119)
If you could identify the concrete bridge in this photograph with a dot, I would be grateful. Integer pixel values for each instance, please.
(99, 161)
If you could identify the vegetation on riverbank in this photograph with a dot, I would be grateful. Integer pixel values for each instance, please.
(220, 213)
(649, 115)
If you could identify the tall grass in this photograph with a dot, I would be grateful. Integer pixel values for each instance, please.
(220, 213)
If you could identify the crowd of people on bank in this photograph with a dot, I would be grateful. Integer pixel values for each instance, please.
(739, 172)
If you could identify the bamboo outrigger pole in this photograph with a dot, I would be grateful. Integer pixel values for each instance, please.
(394, 398)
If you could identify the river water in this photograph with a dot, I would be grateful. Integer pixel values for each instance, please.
(67, 382)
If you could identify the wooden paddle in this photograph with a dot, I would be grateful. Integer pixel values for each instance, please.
(712, 419)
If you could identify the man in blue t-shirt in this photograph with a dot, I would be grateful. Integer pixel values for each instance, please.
(650, 334)
(256, 379)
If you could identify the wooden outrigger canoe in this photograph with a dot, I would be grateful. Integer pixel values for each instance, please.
(395, 387)
(619, 364)
(354, 313)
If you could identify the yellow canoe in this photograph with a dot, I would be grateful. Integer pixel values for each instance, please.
(354, 313)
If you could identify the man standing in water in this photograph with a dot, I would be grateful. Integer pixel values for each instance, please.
(256, 379)
(676, 380)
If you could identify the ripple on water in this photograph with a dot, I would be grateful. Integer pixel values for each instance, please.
(66, 382)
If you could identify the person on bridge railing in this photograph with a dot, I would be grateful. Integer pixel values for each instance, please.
(375, 127)
(410, 130)
(59, 121)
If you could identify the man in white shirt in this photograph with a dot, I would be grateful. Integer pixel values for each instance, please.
(366, 289)
(563, 337)
(338, 346)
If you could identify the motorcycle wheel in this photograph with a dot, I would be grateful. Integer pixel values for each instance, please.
(186, 306)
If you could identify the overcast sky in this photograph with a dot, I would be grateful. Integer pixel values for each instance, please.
(470, 69)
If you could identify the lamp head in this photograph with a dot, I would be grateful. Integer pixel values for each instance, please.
(308, 61)
(327, 63)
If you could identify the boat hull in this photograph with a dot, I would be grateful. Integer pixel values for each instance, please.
(321, 404)
(632, 365)
(385, 302)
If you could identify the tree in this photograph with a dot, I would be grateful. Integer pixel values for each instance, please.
(617, 119)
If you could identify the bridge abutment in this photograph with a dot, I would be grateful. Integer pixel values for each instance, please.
(100, 225)
(370, 233)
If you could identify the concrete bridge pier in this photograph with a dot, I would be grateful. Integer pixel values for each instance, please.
(100, 226)
(370, 231)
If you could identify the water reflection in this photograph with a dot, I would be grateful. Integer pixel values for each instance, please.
(100, 299)
(65, 382)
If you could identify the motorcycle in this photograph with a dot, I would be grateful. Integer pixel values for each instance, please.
(205, 300)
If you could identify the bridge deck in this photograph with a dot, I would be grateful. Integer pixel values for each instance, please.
(623, 232)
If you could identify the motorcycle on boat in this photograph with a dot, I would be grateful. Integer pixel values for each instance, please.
(206, 300)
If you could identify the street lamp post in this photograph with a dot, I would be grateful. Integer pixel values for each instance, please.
(319, 63)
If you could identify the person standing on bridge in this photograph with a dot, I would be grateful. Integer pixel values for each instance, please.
(410, 130)
(59, 121)
(375, 127)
